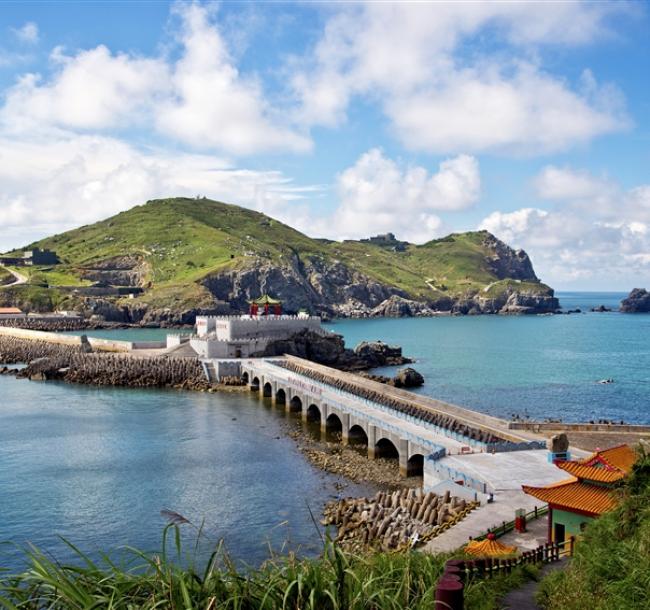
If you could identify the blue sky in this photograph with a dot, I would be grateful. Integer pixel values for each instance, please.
(344, 120)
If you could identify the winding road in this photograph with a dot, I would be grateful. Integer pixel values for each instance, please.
(19, 278)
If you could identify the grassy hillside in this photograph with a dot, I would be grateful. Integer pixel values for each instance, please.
(178, 242)
(611, 567)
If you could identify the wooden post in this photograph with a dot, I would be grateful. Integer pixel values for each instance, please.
(571, 545)
(450, 594)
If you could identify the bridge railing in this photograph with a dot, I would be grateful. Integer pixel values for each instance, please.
(433, 447)
(440, 430)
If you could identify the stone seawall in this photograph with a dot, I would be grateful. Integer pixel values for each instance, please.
(66, 362)
(577, 427)
(104, 345)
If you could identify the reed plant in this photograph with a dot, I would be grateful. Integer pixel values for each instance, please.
(337, 580)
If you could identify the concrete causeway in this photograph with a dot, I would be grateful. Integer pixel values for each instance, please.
(422, 447)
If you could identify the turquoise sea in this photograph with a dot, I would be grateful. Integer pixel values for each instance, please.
(97, 465)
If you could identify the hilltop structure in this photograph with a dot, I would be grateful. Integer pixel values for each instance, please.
(30, 258)
(574, 502)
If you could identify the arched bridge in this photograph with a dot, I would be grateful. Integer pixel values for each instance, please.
(299, 386)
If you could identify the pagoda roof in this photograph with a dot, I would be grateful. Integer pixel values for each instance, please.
(592, 473)
(265, 299)
(621, 457)
(574, 495)
(489, 548)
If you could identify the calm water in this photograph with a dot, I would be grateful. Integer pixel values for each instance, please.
(545, 366)
(98, 465)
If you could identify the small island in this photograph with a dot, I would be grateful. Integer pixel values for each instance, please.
(638, 301)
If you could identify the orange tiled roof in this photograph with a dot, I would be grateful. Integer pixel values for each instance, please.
(10, 310)
(591, 473)
(621, 457)
(489, 548)
(575, 495)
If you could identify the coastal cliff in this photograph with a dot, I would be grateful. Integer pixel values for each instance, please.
(168, 260)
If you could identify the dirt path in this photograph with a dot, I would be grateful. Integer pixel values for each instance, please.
(19, 278)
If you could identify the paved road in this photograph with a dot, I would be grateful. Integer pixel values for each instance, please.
(523, 598)
(19, 278)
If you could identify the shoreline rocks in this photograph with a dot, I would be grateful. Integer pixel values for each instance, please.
(405, 378)
(638, 301)
(329, 349)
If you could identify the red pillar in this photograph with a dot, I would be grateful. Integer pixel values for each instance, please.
(550, 524)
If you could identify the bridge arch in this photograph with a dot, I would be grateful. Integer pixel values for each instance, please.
(357, 435)
(313, 413)
(295, 404)
(280, 397)
(333, 423)
(385, 448)
(415, 465)
(255, 384)
(267, 390)
(244, 377)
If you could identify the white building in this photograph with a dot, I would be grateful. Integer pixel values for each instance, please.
(242, 336)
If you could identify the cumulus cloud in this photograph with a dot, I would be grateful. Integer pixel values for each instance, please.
(377, 195)
(66, 180)
(212, 104)
(597, 229)
(90, 90)
(412, 59)
(28, 33)
(199, 99)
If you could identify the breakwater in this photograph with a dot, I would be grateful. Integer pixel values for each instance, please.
(68, 363)
(394, 520)
(50, 324)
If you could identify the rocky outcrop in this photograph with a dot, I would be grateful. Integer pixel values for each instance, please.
(117, 271)
(507, 263)
(329, 349)
(399, 307)
(408, 378)
(527, 303)
(638, 301)
(313, 284)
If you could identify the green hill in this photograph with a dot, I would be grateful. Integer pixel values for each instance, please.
(192, 253)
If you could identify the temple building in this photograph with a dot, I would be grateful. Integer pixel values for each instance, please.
(246, 335)
(587, 494)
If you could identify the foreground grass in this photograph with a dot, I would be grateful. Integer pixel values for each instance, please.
(335, 581)
(611, 566)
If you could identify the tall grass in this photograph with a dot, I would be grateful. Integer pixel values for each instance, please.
(337, 580)
(611, 566)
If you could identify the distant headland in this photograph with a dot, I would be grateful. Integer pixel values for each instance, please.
(166, 261)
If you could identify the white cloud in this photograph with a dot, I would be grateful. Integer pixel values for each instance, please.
(90, 90)
(377, 195)
(66, 180)
(28, 33)
(212, 104)
(555, 183)
(596, 230)
(200, 99)
(412, 58)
